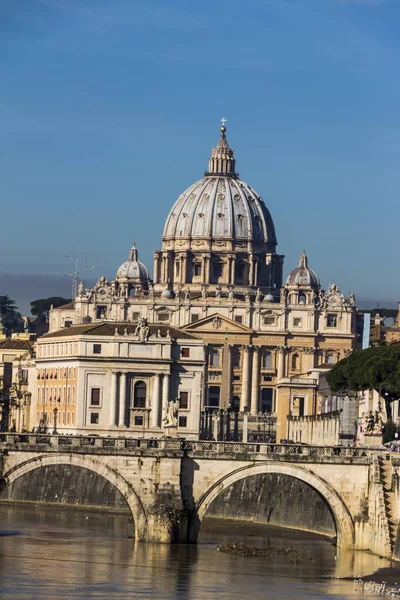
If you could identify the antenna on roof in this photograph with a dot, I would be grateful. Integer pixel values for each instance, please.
(75, 275)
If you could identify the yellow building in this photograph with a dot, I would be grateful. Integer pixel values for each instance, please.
(17, 378)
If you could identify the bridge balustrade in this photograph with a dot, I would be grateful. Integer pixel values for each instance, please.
(176, 444)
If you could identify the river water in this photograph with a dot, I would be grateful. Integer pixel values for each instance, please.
(60, 554)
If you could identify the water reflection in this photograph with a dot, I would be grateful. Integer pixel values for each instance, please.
(56, 553)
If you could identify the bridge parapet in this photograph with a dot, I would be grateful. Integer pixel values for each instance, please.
(216, 450)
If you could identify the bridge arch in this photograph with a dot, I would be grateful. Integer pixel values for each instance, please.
(343, 520)
(127, 491)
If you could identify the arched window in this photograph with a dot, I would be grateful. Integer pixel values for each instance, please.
(139, 398)
(302, 298)
(267, 360)
(295, 362)
(236, 357)
(214, 357)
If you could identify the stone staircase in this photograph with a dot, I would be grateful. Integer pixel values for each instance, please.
(386, 471)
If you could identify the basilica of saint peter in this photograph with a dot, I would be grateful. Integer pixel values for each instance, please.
(216, 327)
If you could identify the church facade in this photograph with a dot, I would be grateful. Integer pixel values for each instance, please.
(217, 282)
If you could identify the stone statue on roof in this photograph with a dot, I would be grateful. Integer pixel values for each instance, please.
(142, 330)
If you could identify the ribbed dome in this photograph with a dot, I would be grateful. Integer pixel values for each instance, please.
(303, 275)
(220, 205)
(133, 269)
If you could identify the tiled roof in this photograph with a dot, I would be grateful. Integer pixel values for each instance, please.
(16, 345)
(65, 306)
(108, 328)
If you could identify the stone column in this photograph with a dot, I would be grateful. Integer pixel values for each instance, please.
(184, 269)
(245, 434)
(207, 269)
(155, 405)
(229, 376)
(244, 400)
(256, 263)
(251, 270)
(122, 400)
(113, 399)
(233, 271)
(281, 363)
(255, 381)
(156, 266)
(165, 390)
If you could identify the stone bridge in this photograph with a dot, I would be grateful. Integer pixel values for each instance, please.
(169, 485)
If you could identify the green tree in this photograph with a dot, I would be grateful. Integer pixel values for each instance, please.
(11, 318)
(41, 308)
(376, 368)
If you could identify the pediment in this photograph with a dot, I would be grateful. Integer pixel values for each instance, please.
(216, 323)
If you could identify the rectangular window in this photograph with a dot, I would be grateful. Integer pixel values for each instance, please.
(96, 349)
(269, 320)
(184, 400)
(95, 397)
(197, 269)
(138, 421)
(185, 352)
(182, 421)
(214, 396)
(236, 378)
(331, 320)
(214, 357)
(135, 316)
(94, 418)
(239, 319)
(67, 323)
(297, 322)
(177, 268)
(163, 317)
(194, 318)
(101, 312)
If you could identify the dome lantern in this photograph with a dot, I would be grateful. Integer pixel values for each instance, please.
(222, 161)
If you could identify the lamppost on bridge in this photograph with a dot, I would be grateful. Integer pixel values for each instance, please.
(55, 412)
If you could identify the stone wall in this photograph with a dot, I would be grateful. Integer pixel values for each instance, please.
(67, 485)
(275, 499)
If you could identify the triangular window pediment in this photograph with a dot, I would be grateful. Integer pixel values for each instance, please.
(215, 323)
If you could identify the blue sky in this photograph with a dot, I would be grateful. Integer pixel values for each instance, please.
(109, 110)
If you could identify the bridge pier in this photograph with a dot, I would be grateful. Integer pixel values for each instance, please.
(169, 485)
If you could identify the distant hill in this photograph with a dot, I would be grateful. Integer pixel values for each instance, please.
(25, 288)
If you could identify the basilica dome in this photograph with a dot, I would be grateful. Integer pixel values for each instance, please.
(219, 233)
(133, 268)
(303, 275)
(220, 206)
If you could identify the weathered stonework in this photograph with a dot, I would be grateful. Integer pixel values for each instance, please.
(169, 488)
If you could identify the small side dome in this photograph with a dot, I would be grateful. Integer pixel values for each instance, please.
(269, 298)
(133, 269)
(167, 293)
(303, 275)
